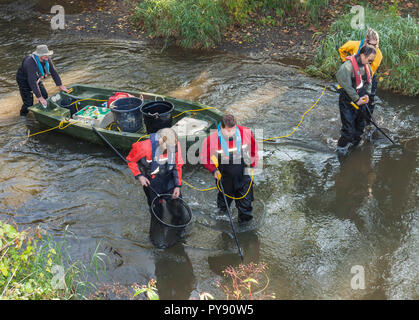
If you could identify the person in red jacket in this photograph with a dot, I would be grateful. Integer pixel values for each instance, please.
(157, 162)
(235, 148)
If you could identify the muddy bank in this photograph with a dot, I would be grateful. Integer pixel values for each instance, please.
(111, 19)
(294, 36)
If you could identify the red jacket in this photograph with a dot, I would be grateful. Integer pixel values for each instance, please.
(212, 146)
(143, 149)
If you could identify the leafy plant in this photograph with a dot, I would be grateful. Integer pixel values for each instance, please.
(398, 43)
(191, 23)
(245, 280)
(150, 290)
(33, 266)
(201, 23)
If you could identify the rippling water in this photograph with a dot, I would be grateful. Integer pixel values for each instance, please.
(322, 217)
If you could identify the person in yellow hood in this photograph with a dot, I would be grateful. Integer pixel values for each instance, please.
(354, 47)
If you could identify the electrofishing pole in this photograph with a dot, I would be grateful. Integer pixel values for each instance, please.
(371, 119)
(215, 162)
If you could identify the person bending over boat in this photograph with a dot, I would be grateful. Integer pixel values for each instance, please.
(354, 77)
(34, 68)
(236, 150)
(157, 162)
(354, 47)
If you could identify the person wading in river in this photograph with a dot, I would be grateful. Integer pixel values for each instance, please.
(354, 47)
(235, 148)
(157, 162)
(354, 77)
(34, 68)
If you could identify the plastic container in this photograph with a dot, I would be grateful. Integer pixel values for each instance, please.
(68, 103)
(127, 113)
(157, 115)
(97, 116)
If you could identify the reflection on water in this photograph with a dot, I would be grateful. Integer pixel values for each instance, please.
(323, 216)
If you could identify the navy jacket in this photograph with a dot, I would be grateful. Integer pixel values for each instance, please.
(30, 73)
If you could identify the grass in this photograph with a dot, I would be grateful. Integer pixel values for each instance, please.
(192, 23)
(398, 71)
(35, 267)
(201, 23)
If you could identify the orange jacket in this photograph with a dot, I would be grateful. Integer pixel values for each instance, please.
(351, 47)
(143, 151)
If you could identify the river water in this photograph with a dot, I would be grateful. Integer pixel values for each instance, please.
(321, 217)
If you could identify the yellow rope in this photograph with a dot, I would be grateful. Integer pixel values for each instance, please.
(218, 186)
(251, 181)
(193, 110)
(300, 120)
(85, 100)
(146, 135)
(191, 186)
(62, 125)
(250, 185)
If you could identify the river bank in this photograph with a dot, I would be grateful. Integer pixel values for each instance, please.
(295, 38)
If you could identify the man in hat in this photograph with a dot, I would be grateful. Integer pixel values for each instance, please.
(33, 69)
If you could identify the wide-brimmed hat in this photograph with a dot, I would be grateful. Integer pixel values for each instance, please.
(42, 50)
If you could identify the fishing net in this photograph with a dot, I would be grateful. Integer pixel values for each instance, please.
(169, 220)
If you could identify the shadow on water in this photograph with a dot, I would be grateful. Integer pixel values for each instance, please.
(174, 273)
(322, 216)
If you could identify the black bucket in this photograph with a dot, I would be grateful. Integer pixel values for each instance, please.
(157, 115)
(127, 113)
(69, 103)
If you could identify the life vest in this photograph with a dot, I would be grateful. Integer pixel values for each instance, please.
(224, 145)
(160, 165)
(237, 156)
(40, 67)
(359, 83)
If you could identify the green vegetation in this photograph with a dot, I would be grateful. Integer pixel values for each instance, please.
(150, 290)
(34, 267)
(201, 23)
(192, 23)
(398, 43)
(248, 282)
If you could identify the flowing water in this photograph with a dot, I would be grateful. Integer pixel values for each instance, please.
(322, 217)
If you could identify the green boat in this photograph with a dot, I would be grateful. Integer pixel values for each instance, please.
(190, 119)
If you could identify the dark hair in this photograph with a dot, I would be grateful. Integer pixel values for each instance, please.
(368, 50)
(228, 121)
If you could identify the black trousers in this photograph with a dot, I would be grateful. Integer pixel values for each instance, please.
(353, 122)
(27, 94)
(237, 186)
